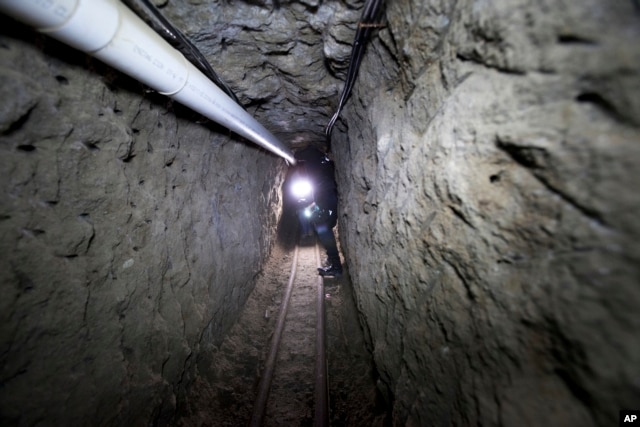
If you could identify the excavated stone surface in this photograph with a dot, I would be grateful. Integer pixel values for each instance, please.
(489, 210)
(486, 163)
(275, 57)
(132, 229)
(131, 236)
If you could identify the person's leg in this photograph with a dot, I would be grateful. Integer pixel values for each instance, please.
(328, 241)
(305, 226)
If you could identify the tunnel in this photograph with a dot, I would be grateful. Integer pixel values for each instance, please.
(487, 170)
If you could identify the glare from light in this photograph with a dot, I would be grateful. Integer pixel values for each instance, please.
(301, 189)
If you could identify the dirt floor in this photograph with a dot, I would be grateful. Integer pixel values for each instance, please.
(225, 391)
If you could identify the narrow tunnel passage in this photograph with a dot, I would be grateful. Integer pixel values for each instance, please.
(225, 390)
(487, 172)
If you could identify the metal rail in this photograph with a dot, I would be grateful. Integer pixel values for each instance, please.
(321, 418)
(265, 382)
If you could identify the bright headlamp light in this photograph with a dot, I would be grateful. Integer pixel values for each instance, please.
(301, 189)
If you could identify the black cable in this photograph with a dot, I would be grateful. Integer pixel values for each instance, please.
(366, 25)
(148, 13)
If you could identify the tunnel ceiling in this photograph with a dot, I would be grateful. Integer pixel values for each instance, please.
(285, 61)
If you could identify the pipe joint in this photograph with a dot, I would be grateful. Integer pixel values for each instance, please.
(112, 33)
(90, 28)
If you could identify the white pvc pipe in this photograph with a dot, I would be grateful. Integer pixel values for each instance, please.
(112, 33)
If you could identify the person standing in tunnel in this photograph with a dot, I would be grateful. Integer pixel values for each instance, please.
(323, 211)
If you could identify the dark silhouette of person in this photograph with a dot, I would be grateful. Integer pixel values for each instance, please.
(323, 211)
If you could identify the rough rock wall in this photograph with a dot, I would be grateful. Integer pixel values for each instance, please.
(486, 181)
(281, 58)
(130, 237)
(489, 210)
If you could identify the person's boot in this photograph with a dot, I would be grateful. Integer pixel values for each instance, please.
(334, 268)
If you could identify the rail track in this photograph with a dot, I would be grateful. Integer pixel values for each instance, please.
(293, 387)
(231, 388)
